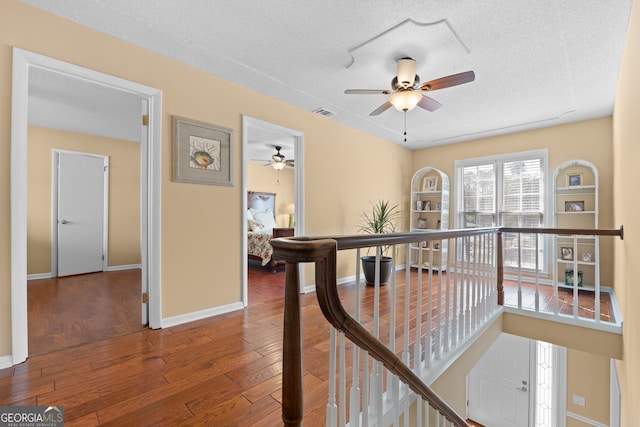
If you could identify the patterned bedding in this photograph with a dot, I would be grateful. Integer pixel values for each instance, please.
(259, 244)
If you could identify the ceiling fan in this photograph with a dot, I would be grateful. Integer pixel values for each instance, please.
(278, 160)
(407, 92)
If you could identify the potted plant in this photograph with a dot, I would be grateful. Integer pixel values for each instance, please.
(381, 219)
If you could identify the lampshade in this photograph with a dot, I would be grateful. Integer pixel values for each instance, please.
(278, 165)
(290, 208)
(405, 100)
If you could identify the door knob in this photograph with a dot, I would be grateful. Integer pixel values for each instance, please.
(64, 221)
(522, 388)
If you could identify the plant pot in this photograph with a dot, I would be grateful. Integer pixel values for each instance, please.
(369, 269)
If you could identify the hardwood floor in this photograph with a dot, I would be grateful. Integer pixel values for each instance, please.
(69, 311)
(221, 371)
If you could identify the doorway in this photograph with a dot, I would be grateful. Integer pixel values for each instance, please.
(259, 141)
(499, 385)
(24, 64)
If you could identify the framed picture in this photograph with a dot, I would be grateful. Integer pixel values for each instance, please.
(574, 179)
(586, 257)
(202, 153)
(574, 206)
(439, 206)
(427, 205)
(566, 253)
(430, 183)
(422, 223)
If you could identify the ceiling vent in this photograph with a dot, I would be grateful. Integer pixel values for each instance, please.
(324, 112)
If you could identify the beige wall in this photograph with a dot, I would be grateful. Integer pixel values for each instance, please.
(124, 194)
(201, 224)
(265, 178)
(626, 147)
(588, 140)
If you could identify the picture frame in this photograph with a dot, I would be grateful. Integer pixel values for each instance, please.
(587, 257)
(574, 206)
(202, 153)
(574, 179)
(566, 253)
(430, 183)
(422, 223)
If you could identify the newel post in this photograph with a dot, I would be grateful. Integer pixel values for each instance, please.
(292, 393)
(500, 268)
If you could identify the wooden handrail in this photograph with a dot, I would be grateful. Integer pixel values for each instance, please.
(323, 252)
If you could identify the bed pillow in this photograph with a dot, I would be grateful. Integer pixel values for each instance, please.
(256, 226)
(249, 219)
(266, 218)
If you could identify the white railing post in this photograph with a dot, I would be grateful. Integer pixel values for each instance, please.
(332, 407)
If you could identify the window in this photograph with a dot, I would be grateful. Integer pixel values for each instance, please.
(505, 191)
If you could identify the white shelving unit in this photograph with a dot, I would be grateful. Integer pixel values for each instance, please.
(429, 211)
(575, 205)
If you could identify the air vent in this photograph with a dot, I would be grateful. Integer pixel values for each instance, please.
(324, 112)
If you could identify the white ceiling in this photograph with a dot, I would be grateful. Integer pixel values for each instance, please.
(537, 63)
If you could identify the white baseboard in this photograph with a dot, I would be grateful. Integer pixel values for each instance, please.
(38, 276)
(167, 322)
(585, 420)
(6, 362)
(124, 267)
(49, 275)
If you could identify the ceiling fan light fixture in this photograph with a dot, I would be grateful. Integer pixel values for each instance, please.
(405, 100)
(278, 165)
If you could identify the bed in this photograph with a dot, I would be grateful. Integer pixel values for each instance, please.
(261, 228)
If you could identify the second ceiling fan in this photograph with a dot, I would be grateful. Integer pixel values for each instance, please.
(278, 160)
(407, 92)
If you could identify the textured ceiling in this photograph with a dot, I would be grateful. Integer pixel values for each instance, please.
(537, 63)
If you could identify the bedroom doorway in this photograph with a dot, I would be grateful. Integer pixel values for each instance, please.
(262, 140)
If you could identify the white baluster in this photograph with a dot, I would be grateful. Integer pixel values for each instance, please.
(354, 400)
(520, 271)
(342, 393)
(332, 408)
(537, 296)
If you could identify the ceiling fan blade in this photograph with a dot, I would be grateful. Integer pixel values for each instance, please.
(381, 109)
(429, 104)
(448, 81)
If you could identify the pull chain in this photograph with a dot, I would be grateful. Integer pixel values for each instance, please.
(405, 126)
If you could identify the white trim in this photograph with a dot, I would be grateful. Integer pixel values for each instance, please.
(249, 122)
(124, 267)
(560, 384)
(39, 276)
(181, 319)
(615, 328)
(585, 420)
(614, 392)
(23, 61)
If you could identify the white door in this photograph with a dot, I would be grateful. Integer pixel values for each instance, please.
(499, 384)
(81, 213)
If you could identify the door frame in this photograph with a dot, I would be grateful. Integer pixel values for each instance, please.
(248, 123)
(151, 168)
(55, 191)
